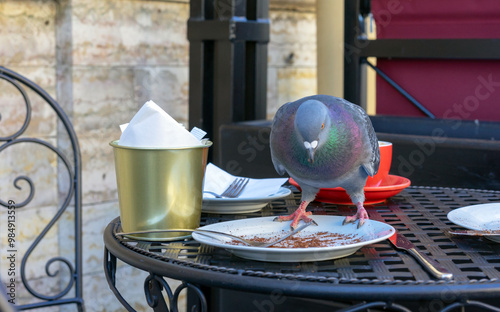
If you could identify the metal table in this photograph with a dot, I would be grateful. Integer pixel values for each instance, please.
(377, 275)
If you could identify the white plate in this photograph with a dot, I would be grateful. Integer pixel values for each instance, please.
(241, 205)
(371, 232)
(484, 217)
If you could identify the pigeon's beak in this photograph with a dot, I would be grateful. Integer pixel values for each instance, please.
(310, 154)
(311, 149)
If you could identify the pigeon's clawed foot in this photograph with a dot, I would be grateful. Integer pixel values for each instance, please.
(299, 214)
(360, 215)
(296, 217)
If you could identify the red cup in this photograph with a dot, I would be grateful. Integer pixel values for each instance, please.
(385, 164)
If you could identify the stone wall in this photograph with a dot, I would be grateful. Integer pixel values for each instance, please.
(101, 60)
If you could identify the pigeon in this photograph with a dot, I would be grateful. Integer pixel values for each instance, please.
(323, 141)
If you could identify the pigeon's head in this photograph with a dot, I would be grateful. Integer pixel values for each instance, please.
(312, 122)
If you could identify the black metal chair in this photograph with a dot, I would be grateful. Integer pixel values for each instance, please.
(71, 292)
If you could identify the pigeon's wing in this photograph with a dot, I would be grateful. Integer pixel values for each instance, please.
(371, 166)
(280, 169)
(277, 120)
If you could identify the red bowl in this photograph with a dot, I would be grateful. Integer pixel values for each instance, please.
(389, 187)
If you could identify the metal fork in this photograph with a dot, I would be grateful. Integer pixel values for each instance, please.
(213, 234)
(234, 189)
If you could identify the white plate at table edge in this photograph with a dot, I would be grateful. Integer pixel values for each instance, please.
(469, 219)
(241, 205)
(377, 231)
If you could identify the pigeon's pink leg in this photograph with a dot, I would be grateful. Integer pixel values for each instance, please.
(299, 214)
(361, 214)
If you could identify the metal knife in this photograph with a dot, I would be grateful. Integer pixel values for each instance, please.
(475, 233)
(436, 269)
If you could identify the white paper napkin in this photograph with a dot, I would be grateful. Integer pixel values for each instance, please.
(217, 180)
(151, 126)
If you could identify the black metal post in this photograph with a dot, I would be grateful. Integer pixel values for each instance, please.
(352, 66)
(228, 64)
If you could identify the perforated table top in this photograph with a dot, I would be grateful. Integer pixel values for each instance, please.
(377, 270)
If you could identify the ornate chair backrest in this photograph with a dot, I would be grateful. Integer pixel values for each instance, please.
(67, 267)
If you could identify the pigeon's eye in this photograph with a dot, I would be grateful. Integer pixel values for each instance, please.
(322, 126)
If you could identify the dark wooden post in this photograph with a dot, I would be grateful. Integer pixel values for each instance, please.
(228, 64)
